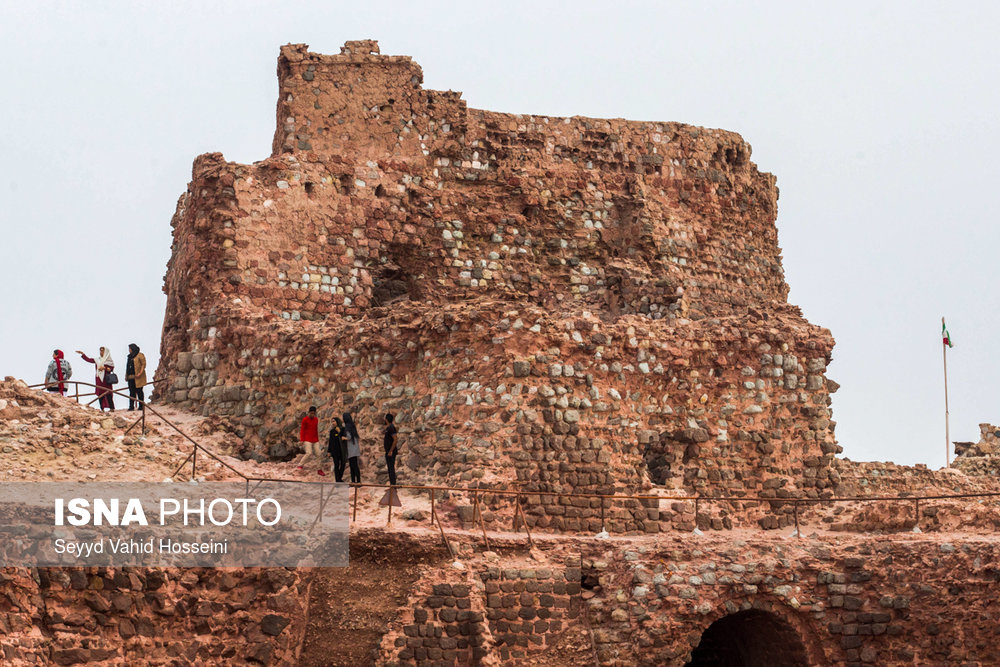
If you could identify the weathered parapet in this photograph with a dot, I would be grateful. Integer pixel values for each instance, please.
(567, 303)
(861, 601)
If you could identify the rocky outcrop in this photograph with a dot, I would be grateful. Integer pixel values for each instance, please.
(52, 438)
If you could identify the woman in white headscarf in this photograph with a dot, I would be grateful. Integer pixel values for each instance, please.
(105, 377)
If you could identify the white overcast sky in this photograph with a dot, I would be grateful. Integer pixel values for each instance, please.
(880, 121)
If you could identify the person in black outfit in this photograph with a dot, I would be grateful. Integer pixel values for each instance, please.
(353, 447)
(338, 449)
(391, 448)
(135, 375)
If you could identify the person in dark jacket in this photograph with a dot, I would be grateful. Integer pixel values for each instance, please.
(391, 447)
(337, 447)
(353, 448)
(135, 375)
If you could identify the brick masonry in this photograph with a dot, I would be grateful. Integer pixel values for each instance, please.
(851, 601)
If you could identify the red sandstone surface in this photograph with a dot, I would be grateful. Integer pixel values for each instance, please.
(554, 305)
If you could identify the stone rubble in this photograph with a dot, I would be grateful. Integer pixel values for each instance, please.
(49, 437)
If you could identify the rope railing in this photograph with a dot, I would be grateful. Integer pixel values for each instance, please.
(522, 497)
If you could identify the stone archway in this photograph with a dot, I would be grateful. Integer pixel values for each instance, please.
(750, 638)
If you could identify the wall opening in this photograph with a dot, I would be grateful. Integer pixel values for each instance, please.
(346, 184)
(751, 638)
(391, 284)
(399, 277)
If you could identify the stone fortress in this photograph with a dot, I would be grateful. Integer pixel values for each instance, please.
(551, 305)
(570, 304)
(566, 305)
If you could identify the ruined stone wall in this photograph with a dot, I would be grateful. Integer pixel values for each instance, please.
(980, 458)
(567, 303)
(851, 602)
(99, 615)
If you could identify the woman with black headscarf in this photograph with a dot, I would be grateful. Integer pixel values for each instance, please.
(353, 448)
(135, 374)
(337, 447)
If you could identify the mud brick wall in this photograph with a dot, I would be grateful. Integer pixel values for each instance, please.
(497, 613)
(851, 601)
(568, 304)
(67, 616)
(443, 628)
(866, 602)
(528, 607)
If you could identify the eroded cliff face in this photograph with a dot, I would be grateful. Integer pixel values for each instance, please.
(567, 303)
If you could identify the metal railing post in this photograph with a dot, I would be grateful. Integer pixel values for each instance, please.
(524, 520)
(513, 520)
(436, 519)
(477, 512)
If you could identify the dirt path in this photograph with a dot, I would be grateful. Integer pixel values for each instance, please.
(350, 608)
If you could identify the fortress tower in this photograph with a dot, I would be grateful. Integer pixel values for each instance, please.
(563, 303)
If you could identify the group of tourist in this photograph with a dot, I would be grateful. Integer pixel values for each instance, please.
(105, 378)
(344, 446)
(343, 443)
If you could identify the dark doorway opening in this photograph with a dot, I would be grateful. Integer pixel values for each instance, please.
(749, 638)
(399, 276)
(392, 284)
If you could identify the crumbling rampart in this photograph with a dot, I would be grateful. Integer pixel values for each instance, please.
(571, 304)
(851, 601)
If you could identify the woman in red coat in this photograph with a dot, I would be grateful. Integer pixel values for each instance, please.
(309, 438)
(104, 367)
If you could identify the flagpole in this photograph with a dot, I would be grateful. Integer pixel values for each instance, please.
(947, 438)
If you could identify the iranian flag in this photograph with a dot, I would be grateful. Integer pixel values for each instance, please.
(945, 336)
